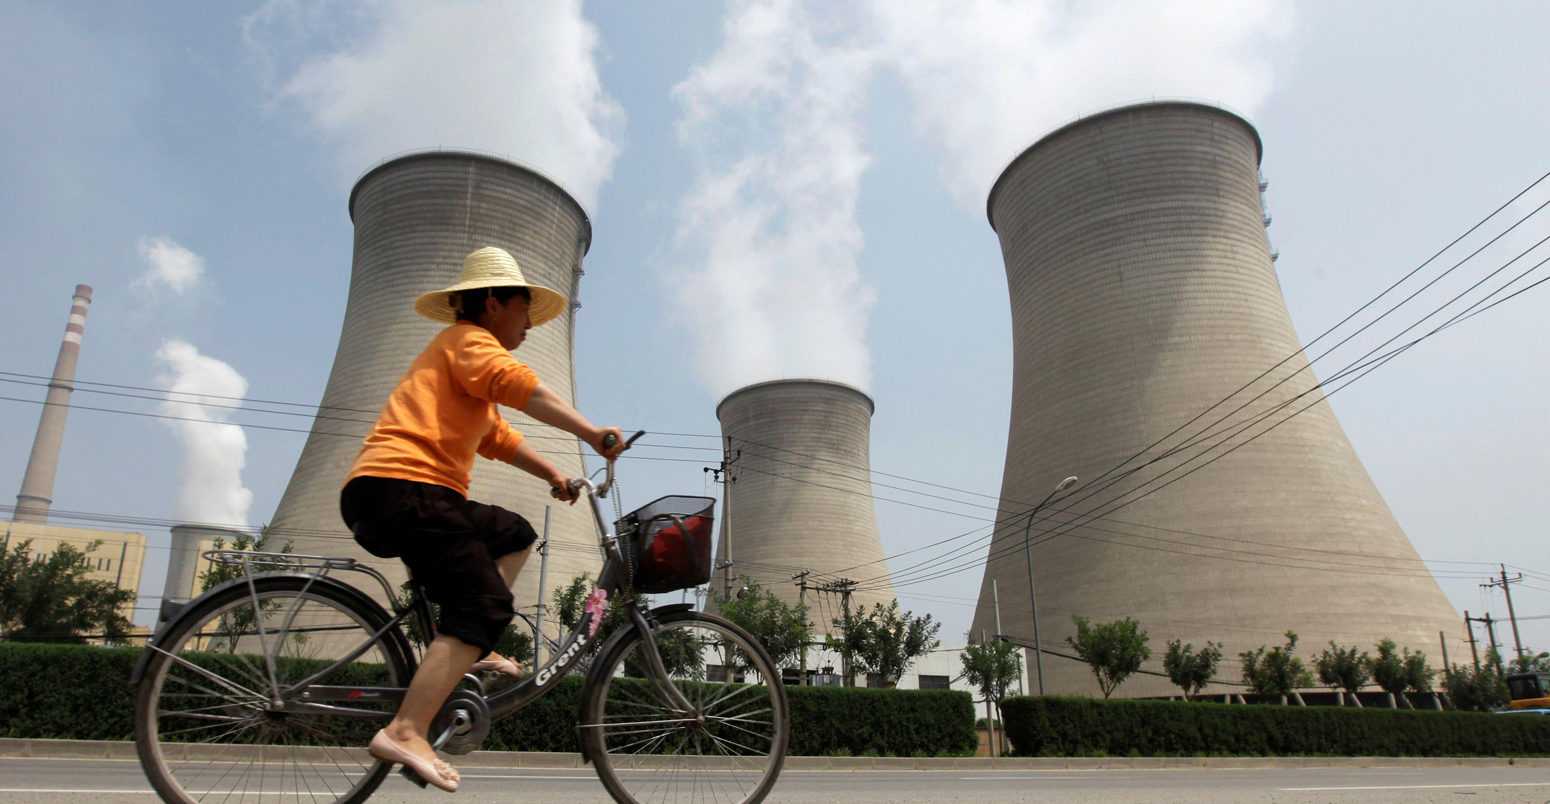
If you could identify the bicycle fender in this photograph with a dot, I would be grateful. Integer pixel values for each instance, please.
(335, 586)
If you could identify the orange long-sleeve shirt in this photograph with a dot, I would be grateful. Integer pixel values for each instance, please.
(444, 411)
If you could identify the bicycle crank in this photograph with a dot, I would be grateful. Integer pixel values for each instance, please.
(462, 724)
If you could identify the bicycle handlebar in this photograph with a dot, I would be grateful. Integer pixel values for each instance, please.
(578, 483)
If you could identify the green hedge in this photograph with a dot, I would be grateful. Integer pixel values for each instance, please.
(83, 693)
(880, 722)
(1051, 726)
(68, 691)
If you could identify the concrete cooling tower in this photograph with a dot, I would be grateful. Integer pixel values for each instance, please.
(1142, 294)
(802, 496)
(416, 218)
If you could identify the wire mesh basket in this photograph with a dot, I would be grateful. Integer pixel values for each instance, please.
(668, 543)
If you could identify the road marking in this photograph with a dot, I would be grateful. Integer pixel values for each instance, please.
(1413, 787)
(520, 776)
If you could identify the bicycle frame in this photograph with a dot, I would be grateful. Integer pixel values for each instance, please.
(310, 697)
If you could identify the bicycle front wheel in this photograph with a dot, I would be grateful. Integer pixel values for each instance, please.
(216, 716)
(728, 748)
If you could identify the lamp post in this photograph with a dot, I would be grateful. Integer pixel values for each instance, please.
(1033, 599)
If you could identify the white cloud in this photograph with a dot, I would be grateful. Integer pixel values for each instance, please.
(201, 393)
(168, 265)
(771, 223)
(512, 77)
(990, 76)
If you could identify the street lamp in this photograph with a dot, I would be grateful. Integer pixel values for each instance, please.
(1033, 599)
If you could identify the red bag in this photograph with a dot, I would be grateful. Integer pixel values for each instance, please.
(672, 542)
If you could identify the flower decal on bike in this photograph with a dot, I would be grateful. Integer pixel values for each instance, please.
(597, 604)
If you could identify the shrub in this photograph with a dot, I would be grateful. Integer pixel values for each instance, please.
(1048, 726)
(840, 721)
(44, 694)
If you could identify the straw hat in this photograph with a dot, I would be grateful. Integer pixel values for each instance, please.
(490, 268)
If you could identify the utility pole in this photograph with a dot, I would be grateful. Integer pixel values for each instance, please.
(723, 474)
(995, 597)
(801, 579)
(1468, 626)
(1506, 584)
(543, 577)
(1490, 631)
(843, 587)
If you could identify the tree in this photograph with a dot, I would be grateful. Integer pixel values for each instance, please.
(883, 641)
(781, 628)
(991, 667)
(1113, 650)
(52, 600)
(1189, 670)
(1530, 663)
(240, 620)
(1343, 669)
(1479, 688)
(1396, 671)
(1275, 671)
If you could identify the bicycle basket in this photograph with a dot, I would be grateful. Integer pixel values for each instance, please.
(668, 543)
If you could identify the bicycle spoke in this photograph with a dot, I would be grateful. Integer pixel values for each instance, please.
(729, 751)
(266, 750)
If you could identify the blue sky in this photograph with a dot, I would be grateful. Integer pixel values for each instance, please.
(192, 161)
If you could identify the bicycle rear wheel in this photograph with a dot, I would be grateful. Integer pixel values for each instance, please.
(728, 749)
(211, 719)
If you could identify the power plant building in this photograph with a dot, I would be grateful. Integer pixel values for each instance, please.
(1143, 294)
(801, 495)
(416, 217)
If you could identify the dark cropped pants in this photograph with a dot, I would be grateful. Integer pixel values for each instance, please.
(449, 543)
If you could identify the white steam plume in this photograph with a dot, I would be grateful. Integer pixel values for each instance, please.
(771, 223)
(513, 77)
(773, 120)
(168, 265)
(213, 450)
(988, 77)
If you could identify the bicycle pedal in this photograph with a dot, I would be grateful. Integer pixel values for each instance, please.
(409, 774)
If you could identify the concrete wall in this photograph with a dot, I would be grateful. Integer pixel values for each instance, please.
(802, 492)
(1142, 293)
(416, 218)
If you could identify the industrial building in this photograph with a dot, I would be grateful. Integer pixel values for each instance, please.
(416, 217)
(800, 496)
(1143, 293)
(114, 557)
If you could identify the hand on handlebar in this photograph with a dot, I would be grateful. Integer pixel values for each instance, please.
(609, 442)
(565, 488)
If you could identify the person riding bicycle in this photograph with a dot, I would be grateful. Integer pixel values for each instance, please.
(406, 495)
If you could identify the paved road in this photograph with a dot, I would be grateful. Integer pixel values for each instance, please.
(106, 781)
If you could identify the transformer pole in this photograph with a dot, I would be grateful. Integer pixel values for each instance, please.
(1506, 584)
(543, 577)
(1469, 628)
(801, 579)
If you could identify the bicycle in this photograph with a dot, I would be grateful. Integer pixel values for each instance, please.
(269, 686)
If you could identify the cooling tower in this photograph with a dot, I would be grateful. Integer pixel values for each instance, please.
(1142, 293)
(36, 495)
(802, 494)
(416, 217)
(184, 564)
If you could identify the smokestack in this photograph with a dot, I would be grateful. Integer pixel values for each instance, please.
(38, 484)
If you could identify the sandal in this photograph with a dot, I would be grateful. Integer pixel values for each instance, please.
(417, 770)
(499, 664)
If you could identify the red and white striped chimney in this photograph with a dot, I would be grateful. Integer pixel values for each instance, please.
(33, 501)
